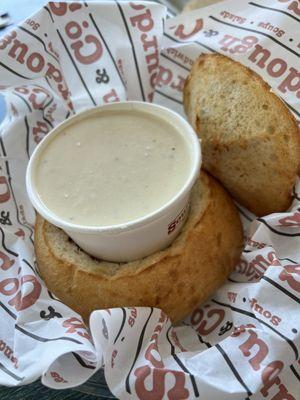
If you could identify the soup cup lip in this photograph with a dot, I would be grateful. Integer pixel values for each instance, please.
(157, 111)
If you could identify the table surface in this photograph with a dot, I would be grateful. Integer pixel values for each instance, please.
(36, 391)
(95, 389)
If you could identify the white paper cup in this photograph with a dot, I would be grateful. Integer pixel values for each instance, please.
(143, 236)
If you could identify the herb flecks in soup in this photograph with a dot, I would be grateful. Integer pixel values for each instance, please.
(112, 168)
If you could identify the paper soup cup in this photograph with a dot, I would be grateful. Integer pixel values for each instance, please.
(138, 238)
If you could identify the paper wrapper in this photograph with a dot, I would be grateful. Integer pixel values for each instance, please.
(244, 342)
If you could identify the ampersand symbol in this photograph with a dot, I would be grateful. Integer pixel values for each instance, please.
(210, 33)
(4, 218)
(102, 76)
(225, 328)
(52, 314)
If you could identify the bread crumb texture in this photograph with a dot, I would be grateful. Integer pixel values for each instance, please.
(250, 140)
(176, 279)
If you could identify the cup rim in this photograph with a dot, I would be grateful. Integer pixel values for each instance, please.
(151, 108)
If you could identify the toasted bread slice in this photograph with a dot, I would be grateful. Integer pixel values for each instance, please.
(176, 279)
(195, 4)
(250, 140)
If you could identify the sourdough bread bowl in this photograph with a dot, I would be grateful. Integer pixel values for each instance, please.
(250, 139)
(176, 279)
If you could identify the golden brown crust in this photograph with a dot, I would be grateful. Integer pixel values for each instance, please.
(220, 59)
(259, 165)
(175, 280)
(196, 4)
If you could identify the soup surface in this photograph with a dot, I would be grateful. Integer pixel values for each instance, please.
(112, 168)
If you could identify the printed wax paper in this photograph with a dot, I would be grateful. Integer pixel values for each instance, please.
(241, 344)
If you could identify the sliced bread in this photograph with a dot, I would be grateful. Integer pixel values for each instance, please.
(250, 139)
(195, 4)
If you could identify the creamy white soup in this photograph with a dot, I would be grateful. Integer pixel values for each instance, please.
(112, 168)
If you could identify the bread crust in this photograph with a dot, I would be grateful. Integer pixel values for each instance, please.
(259, 167)
(175, 280)
(196, 4)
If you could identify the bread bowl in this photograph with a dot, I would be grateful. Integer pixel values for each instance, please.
(176, 279)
